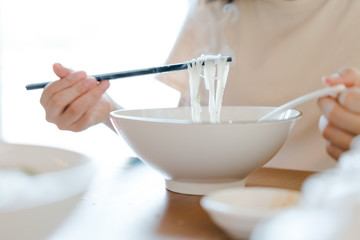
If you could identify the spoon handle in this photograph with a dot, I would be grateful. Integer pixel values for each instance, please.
(303, 99)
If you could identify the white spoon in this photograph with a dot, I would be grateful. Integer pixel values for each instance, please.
(303, 99)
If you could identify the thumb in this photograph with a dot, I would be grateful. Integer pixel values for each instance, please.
(61, 71)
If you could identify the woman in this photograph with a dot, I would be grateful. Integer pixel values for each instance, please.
(280, 50)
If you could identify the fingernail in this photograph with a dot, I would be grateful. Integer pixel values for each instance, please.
(334, 75)
(330, 79)
(323, 80)
(342, 97)
(323, 122)
(326, 106)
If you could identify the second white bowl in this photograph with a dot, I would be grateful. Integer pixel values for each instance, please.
(39, 187)
(237, 211)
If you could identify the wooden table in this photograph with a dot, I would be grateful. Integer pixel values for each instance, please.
(130, 202)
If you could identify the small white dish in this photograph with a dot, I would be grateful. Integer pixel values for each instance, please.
(39, 187)
(237, 211)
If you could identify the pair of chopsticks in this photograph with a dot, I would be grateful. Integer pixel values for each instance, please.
(130, 73)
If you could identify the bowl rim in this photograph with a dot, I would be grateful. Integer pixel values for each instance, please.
(116, 114)
(85, 168)
(211, 205)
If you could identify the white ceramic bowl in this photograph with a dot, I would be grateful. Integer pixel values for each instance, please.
(196, 158)
(237, 211)
(39, 186)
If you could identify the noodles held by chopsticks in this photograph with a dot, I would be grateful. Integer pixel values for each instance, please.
(215, 67)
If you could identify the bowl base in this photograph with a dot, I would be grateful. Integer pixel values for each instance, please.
(200, 188)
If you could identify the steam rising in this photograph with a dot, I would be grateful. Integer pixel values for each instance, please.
(205, 32)
(208, 23)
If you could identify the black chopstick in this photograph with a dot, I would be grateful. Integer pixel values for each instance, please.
(130, 73)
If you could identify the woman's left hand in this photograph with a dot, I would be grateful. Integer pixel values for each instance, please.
(340, 122)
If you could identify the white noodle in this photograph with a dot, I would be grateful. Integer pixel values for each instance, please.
(215, 68)
(194, 80)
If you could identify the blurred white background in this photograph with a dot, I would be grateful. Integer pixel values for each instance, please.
(95, 36)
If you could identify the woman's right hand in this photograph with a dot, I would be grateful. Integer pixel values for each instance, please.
(76, 102)
(340, 122)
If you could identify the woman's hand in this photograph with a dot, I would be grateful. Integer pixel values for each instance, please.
(340, 122)
(76, 101)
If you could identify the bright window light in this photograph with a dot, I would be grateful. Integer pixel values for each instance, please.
(94, 36)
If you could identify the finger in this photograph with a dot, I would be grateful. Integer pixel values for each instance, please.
(334, 151)
(61, 71)
(350, 99)
(339, 116)
(56, 87)
(67, 81)
(348, 75)
(337, 137)
(79, 115)
(89, 102)
(61, 101)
